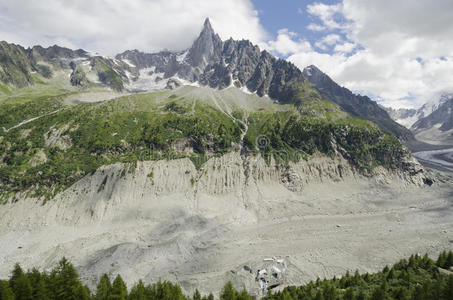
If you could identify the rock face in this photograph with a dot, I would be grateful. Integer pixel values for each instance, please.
(442, 117)
(437, 127)
(15, 67)
(359, 106)
(408, 117)
(218, 64)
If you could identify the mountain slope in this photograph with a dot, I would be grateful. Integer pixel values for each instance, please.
(408, 117)
(359, 106)
(437, 127)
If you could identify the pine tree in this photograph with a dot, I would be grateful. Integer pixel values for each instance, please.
(67, 283)
(442, 260)
(361, 295)
(6, 293)
(119, 290)
(196, 295)
(103, 288)
(228, 292)
(378, 294)
(210, 296)
(319, 296)
(20, 284)
(349, 294)
(138, 292)
(243, 295)
(38, 285)
(448, 291)
(449, 260)
(401, 294)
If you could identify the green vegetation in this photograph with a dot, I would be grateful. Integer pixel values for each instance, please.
(288, 136)
(16, 109)
(123, 130)
(5, 90)
(107, 74)
(47, 155)
(15, 65)
(416, 278)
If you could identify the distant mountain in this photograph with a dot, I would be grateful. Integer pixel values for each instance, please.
(408, 117)
(359, 106)
(403, 116)
(437, 127)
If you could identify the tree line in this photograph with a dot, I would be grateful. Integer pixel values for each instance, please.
(418, 277)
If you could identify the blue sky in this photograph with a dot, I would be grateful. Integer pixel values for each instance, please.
(291, 14)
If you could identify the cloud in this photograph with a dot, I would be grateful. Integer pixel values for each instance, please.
(111, 26)
(345, 47)
(287, 43)
(328, 40)
(326, 13)
(316, 27)
(400, 52)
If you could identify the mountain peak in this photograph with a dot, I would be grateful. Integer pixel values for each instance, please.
(206, 47)
(207, 24)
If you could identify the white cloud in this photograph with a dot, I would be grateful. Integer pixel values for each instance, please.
(326, 13)
(328, 40)
(315, 27)
(287, 43)
(403, 51)
(345, 47)
(111, 26)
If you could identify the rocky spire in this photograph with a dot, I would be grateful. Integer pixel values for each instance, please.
(207, 48)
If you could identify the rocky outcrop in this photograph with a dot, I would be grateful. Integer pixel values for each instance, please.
(217, 64)
(78, 76)
(441, 117)
(15, 66)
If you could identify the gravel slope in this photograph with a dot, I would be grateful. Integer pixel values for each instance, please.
(199, 228)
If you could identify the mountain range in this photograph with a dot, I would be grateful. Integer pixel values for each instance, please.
(209, 62)
(431, 123)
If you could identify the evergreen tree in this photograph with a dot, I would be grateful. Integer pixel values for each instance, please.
(378, 294)
(243, 295)
(449, 260)
(401, 294)
(20, 284)
(362, 295)
(228, 292)
(6, 293)
(349, 294)
(210, 296)
(442, 260)
(319, 295)
(138, 292)
(68, 285)
(196, 295)
(448, 291)
(119, 290)
(103, 288)
(38, 284)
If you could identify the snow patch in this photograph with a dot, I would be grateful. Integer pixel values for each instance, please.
(148, 80)
(246, 90)
(182, 57)
(128, 62)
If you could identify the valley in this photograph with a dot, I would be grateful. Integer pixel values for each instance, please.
(166, 227)
(210, 165)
